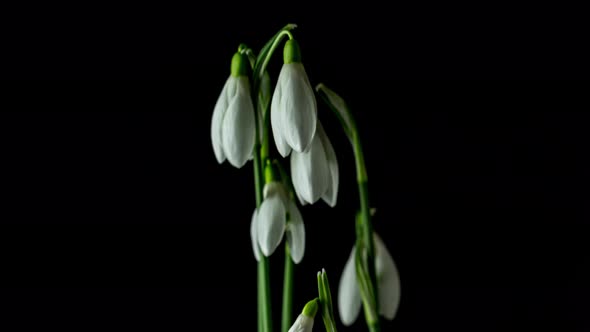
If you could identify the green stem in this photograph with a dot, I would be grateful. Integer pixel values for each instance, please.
(287, 319)
(258, 185)
(259, 300)
(264, 152)
(364, 229)
(264, 293)
(260, 159)
(273, 47)
(366, 223)
(264, 312)
(374, 328)
(289, 265)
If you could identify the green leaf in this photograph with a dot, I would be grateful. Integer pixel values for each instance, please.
(326, 306)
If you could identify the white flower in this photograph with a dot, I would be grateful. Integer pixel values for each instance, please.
(293, 111)
(276, 216)
(315, 171)
(232, 126)
(303, 323)
(388, 286)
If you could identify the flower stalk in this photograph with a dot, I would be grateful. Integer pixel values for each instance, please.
(365, 266)
(287, 314)
(261, 155)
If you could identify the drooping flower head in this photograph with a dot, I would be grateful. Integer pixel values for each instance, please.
(233, 123)
(277, 215)
(388, 285)
(293, 110)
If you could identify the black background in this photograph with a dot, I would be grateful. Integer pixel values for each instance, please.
(115, 214)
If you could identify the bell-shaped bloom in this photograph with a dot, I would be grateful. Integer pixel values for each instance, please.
(233, 124)
(388, 286)
(315, 171)
(293, 110)
(303, 323)
(277, 215)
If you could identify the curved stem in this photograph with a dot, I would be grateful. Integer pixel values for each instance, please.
(273, 47)
(364, 229)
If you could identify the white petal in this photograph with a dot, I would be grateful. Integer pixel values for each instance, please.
(310, 172)
(233, 87)
(276, 120)
(299, 106)
(271, 224)
(387, 279)
(218, 112)
(301, 200)
(254, 235)
(349, 295)
(295, 233)
(238, 131)
(331, 194)
(302, 324)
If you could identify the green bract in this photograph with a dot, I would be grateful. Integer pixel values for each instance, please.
(239, 65)
(291, 52)
(311, 308)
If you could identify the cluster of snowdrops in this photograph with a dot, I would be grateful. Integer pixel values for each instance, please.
(249, 115)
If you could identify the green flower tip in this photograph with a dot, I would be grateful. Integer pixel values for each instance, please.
(239, 65)
(291, 52)
(311, 308)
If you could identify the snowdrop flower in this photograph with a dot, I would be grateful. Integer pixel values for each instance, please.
(315, 171)
(304, 322)
(293, 110)
(388, 286)
(233, 123)
(276, 216)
